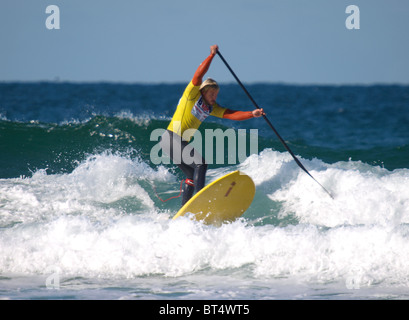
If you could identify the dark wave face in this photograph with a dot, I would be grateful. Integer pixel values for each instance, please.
(42, 124)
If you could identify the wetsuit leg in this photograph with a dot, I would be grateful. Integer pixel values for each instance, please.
(197, 163)
(194, 168)
(199, 176)
(188, 188)
(187, 192)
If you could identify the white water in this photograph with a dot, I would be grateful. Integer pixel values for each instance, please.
(102, 226)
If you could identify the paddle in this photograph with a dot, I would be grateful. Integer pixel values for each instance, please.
(270, 124)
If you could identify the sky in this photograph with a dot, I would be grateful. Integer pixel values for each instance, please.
(164, 41)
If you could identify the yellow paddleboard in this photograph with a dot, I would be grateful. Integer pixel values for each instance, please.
(223, 200)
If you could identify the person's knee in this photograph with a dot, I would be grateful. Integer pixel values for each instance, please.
(200, 176)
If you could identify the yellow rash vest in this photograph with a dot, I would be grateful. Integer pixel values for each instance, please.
(191, 112)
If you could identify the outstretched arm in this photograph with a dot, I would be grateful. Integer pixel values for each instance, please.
(243, 115)
(204, 66)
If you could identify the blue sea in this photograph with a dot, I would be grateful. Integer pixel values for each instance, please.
(81, 218)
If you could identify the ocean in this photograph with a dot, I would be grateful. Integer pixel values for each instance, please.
(81, 215)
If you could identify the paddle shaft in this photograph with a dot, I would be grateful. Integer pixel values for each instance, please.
(270, 124)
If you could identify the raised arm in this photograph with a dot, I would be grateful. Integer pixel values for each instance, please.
(204, 66)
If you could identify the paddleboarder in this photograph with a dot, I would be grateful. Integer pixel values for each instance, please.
(196, 104)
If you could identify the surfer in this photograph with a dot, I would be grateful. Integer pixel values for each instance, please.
(196, 104)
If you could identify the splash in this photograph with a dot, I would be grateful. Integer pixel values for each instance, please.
(102, 221)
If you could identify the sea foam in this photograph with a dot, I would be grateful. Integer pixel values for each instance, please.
(103, 221)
